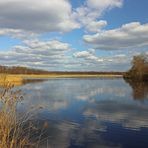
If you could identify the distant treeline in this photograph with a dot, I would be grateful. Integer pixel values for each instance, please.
(20, 70)
(25, 70)
(139, 69)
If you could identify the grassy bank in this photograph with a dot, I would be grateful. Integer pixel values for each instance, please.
(18, 79)
(11, 79)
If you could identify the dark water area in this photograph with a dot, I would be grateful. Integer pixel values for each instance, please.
(90, 113)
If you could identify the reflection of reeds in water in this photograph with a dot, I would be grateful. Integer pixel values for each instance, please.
(26, 81)
(15, 131)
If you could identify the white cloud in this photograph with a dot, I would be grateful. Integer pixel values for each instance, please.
(27, 19)
(101, 5)
(57, 55)
(38, 54)
(89, 13)
(88, 56)
(37, 16)
(52, 15)
(94, 61)
(96, 26)
(132, 35)
(17, 33)
(50, 46)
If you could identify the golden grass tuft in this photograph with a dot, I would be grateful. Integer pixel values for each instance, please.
(12, 79)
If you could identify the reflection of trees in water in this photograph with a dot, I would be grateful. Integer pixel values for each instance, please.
(140, 89)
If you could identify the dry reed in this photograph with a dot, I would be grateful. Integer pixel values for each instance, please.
(15, 130)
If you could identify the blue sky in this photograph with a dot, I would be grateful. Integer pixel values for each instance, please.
(73, 35)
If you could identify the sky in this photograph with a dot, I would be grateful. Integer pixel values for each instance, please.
(73, 35)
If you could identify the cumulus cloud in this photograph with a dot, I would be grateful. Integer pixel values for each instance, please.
(92, 60)
(48, 46)
(130, 35)
(99, 4)
(89, 13)
(88, 56)
(57, 55)
(39, 54)
(29, 20)
(52, 16)
(96, 26)
(17, 33)
(37, 16)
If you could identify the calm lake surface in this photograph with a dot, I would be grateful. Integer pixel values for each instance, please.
(90, 113)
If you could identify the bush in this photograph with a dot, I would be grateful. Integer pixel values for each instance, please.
(139, 70)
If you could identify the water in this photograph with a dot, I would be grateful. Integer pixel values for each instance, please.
(90, 113)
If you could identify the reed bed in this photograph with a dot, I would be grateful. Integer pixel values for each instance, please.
(16, 131)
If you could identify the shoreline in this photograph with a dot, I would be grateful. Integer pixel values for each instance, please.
(18, 79)
(70, 76)
(32, 76)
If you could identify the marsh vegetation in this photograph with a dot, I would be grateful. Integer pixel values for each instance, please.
(17, 130)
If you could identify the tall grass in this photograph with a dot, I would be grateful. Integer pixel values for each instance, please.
(15, 130)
